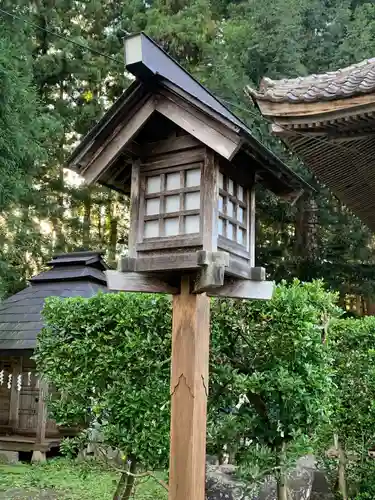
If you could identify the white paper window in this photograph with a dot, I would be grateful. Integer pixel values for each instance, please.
(221, 227)
(193, 177)
(221, 181)
(151, 229)
(153, 206)
(221, 204)
(240, 214)
(240, 236)
(167, 197)
(153, 184)
(192, 201)
(173, 181)
(171, 226)
(230, 208)
(230, 231)
(172, 203)
(192, 224)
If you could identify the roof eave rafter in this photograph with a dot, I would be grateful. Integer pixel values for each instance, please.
(299, 112)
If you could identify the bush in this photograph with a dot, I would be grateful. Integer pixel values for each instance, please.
(108, 358)
(352, 347)
(271, 375)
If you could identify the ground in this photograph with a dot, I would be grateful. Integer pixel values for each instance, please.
(63, 479)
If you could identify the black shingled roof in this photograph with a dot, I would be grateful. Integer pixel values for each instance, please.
(78, 274)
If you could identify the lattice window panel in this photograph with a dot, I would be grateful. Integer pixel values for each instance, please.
(232, 211)
(172, 203)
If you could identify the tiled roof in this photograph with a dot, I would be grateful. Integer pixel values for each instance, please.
(346, 82)
(78, 274)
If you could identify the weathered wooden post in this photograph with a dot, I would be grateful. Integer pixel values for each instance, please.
(191, 167)
(14, 401)
(39, 454)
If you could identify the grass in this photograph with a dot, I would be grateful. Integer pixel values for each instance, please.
(63, 479)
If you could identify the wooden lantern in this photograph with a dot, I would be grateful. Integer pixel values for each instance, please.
(190, 167)
(188, 204)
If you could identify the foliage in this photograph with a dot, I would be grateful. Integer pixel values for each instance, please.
(362, 476)
(352, 343)
(72, 446)
(24, 131)
(65, 479)
(108, 357)
(74, 86)
(270, 374)
(359, 473)
(22, 124)
(353, 365)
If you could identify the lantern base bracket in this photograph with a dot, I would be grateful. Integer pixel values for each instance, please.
(211, 274)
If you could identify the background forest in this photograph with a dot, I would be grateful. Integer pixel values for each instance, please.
(62, 65)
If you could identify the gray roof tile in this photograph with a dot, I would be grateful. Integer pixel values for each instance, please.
(353, 80)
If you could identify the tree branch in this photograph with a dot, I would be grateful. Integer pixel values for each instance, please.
(140, 475)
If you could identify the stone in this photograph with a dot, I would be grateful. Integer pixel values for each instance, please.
(38, 456)
(320, 488)
(8, 457)
(305, 483)
(221, 484)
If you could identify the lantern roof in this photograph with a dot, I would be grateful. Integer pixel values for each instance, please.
(110, 147)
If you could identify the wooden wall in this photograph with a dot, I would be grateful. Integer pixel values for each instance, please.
(19, 397)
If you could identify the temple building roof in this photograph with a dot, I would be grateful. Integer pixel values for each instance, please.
(77, 274)
(328, 120)
(356, 79)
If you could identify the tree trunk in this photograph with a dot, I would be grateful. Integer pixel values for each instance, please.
(370, 306)
(126, 483)
(306, 235)
(130, 483)
(112, 225)
(100, 224)
(87, 221)
(342, 469)
(282, 486)
(121, 486)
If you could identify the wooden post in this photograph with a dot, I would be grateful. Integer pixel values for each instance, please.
(189, 387)
(15, 394)
(42, 411)
(39, 453)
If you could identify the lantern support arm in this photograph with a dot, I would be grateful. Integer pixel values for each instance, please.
(210, 278)
(138, 282)
(244, 289)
